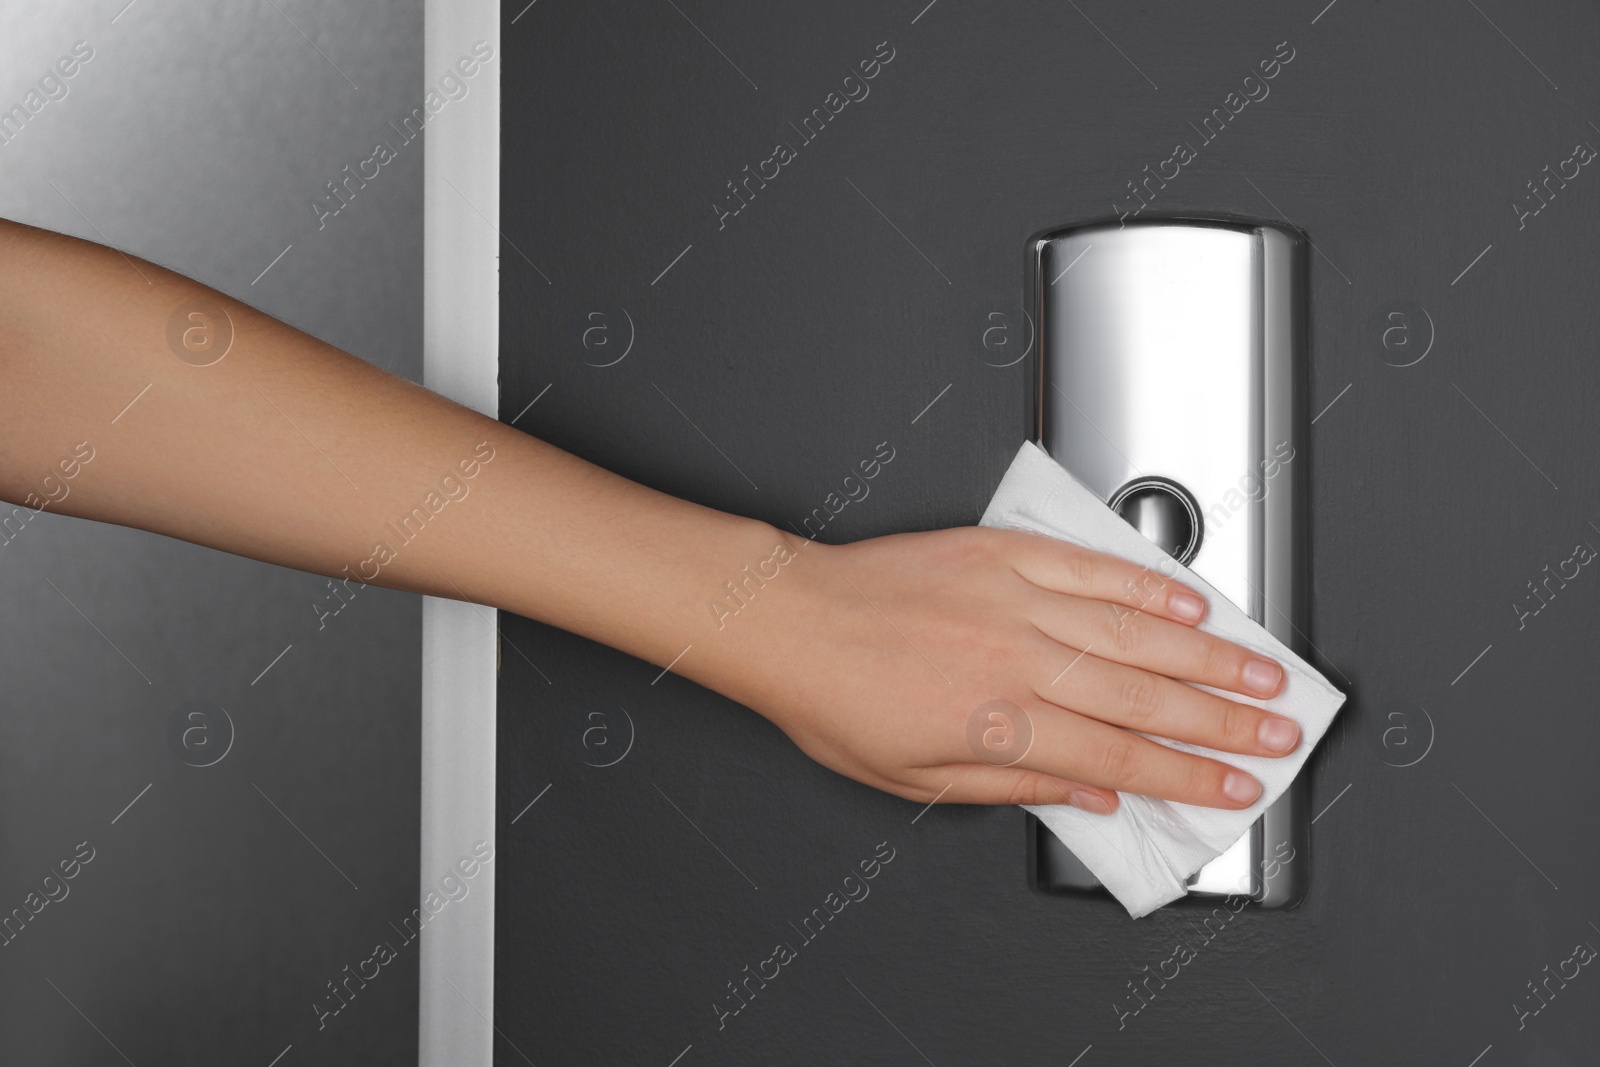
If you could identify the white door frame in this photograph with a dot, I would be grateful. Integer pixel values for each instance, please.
(461, 339)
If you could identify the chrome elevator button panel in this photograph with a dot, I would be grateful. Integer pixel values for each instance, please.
(1170, 380)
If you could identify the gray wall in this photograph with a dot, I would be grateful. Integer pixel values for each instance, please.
(809, 329)
(216, 908)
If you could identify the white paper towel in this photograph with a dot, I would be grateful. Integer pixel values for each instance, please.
(1145, 852)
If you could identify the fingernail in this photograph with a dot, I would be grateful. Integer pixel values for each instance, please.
(1279, 735)
(1240, 787)
(1090, 802)
(1186, 605)
(1262, 675)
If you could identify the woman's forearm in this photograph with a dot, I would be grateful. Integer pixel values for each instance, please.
(133, 395)
(290, 451)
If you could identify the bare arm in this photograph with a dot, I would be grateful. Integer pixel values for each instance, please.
(290, 451)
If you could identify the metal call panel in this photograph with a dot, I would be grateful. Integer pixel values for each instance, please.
(1171, 381)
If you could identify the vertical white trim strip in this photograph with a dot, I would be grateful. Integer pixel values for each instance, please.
(461, 334)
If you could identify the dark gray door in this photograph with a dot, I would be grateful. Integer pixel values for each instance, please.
(781, 328)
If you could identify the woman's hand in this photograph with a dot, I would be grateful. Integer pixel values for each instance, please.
(997, 667)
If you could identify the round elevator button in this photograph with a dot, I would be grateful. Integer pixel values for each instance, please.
(1163, 511)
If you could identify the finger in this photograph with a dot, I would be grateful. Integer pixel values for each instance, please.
(1153, 704)
(976, 783)
(1082, 749)
(1063, 567)
(1139, 639)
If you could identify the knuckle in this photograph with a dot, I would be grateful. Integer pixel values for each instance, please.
(1217, 659)
(1026, 789)
(1128, 631)
(1201, 780)
(963, 546)
(1239, 725)
(1118, 761)
(1144, 587)
(970, 544)
(1082, 569)
(1141, 698)
(910, 788)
